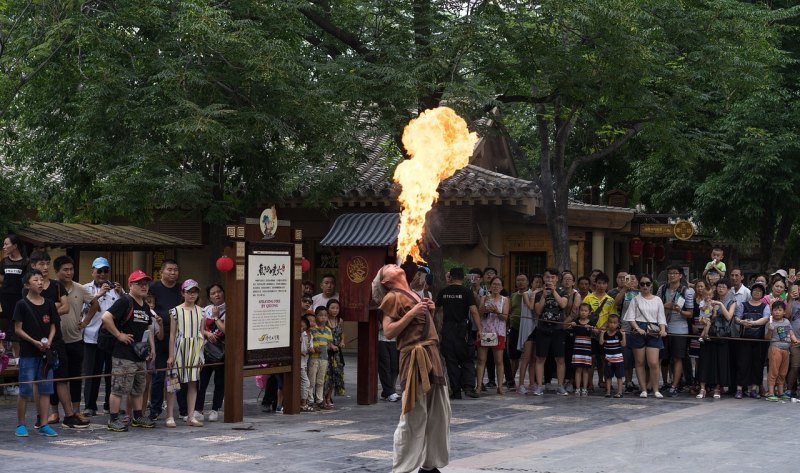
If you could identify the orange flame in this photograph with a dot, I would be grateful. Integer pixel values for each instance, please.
(439, 144)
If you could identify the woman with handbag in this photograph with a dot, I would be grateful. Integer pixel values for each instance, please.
(213, 351)
(649, 326)
(494, 313)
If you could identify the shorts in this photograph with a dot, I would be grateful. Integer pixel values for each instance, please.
(63, 361)
(513, 337)
(636, 341)
(794, 358)
(548, 343)
(130, 383)
(676, 347)
(501, 343)
(616, 370)
(30, 369)
(532, 336)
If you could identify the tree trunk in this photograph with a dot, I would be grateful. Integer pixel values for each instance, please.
(766, 237)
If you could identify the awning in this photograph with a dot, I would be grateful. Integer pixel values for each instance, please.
(363, 229)
(86, 236)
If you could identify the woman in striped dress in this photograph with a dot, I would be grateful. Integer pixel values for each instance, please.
(582, 352)
(187, 335)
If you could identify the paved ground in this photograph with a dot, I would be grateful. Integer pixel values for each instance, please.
(511, 433)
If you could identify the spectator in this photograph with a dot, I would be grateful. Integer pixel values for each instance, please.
(516, 303)
(308, 288)
(494, 313)
(187, 335)
(35, 325)
(612, 340)
(602, 306)
(714, 367)
(388, 366)
(550, 338)
(750, 355)
(716, 264)
(571, 312)
(793, 314)
(318, 362)
(12, 267)
(622, 301)
(582, 356)
(458, 307)
(305, 349)
(167, 292)
(584, 285)
(129, 321)
(777, 293)
(328, 286)
(334, 379)
(780, 334)
(527, 327)
(72, 325)
(95, 362)
(215, 326)
(739, 290)
(678, 301)
(648, 322)
(307, 302)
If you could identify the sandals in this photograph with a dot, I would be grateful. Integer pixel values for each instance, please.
(717, 394)
(701, 394)
(618, 396)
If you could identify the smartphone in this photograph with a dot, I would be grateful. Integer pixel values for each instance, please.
(792, 272)
(627, 278)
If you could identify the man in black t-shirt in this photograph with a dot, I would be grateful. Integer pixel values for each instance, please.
(457, 304)
(167, 293)
(128, 320)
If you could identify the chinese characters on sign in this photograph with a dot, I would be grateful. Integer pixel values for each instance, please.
(269, 294)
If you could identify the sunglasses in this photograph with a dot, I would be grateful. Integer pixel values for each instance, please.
(103, 270)
(645, 284)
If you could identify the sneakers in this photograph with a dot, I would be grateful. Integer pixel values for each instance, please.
(170, 422)
(584, 392)
(89, 412)
(511, 386)
(213, 416)
(47, 431)
(739, 394)
(786, 396)
(72, 422)
(643, 395)
(754, 394)
(125, 419)
(772, 398)
(561, 391)
(491, 385)
(672, 392)
(199, 416)
(143, 422)
(522, 390)
(538, 391)
(658, 395)
(117, 426)
(21, 431)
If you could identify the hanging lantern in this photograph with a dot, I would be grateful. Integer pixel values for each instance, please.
(689, 256)
(660, 253)
(649, 250)
(225, 264)
(635, 247)
(305, 265)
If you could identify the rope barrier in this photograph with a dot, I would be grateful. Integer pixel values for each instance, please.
(103, 375)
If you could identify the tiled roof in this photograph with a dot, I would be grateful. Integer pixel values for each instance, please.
(77, 235)
(363, 229)
(471, 182)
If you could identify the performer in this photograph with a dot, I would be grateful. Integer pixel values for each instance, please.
(422, 437)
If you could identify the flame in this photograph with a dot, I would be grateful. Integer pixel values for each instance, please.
(439, 144)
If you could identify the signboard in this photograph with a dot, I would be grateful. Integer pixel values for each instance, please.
(665, 230)
(269, 303)
(683, 230)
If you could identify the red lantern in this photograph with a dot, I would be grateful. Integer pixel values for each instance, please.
(649, 250)
(305, 264)
(635, 248)
(660, 253)
(225, 264)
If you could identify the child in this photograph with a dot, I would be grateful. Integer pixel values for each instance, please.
(780, 334)
(706, 306)
(582, 352)
(34, 323)
(306, 347)
(307, 302)
(186, 337)
(334, 380)
(318, 362)
(716, 263)
(612, 341)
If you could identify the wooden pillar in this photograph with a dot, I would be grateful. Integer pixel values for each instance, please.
(367, 377)
(234, 336)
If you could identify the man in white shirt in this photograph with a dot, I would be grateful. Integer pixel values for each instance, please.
(739, 290)
(328, 286)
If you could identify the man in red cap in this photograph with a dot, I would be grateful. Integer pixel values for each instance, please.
(130, 322)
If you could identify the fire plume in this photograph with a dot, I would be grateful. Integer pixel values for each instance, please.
(438, 144)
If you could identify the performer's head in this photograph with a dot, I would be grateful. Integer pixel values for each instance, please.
(388, 277)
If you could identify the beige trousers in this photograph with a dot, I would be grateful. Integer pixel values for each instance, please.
(422, 438)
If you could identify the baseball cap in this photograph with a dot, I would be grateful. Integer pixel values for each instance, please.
(189, 284)
(782, 272)
(758, 285)
(100, 263)
(138, 275)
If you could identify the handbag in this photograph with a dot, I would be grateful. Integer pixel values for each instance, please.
(214, 352)
(489, 339)
(653, 330)
(172, 382)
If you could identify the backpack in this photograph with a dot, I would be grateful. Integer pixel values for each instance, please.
(662, 292)
(720, 327)
(105, 340)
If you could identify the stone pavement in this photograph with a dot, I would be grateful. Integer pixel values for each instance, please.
(494, 433)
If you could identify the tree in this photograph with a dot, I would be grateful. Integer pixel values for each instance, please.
(590, 76)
